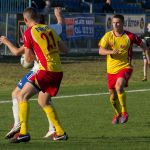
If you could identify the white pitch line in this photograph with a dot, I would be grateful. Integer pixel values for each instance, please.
(82, 95)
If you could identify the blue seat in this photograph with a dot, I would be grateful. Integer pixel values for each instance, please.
(97, 8)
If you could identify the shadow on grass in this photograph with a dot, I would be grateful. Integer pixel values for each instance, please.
(112, 139)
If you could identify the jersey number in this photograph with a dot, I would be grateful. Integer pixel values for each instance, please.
(49, 38)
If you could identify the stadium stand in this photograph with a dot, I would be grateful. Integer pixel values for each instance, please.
(74, 9)
(120, 6)
(146, 5)
(14, 6)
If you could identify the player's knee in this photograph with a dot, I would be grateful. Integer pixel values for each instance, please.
(22, 96)
(112, 96)
(43, 103)
(112, 100)
(14, 93)
(40, 103)
(119, 89)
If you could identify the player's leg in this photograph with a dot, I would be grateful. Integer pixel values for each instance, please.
(26, 93)
(116, 105)
(145, 67)
(120, 84)
(121, 93)
(15, 107)
(52, 129)
(112, 78)
(15, 92)
(122, 81)
(15, 110)
(51, 115)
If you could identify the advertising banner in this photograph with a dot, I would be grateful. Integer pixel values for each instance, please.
(77, 27)
(132, 23)
(21, 27)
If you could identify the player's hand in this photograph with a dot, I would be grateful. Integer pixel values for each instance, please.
(3, 39)
(114, 52)
(57, 11)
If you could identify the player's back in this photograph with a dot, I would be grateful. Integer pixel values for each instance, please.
(44, 41)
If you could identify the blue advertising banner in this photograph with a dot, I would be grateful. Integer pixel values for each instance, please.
(77, 27)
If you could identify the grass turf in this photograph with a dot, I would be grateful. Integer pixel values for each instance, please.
(87, 119)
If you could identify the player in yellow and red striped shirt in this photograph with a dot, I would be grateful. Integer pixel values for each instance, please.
(117, 45)
(41, 43)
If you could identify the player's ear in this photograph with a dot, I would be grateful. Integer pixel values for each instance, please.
(25, 20)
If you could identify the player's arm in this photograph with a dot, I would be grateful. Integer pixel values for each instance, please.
(29, 55)
(58, 28)
(103, 46)
(104, 51)
(146, 51)
(60, 21)
(58, 15)
(16, 51)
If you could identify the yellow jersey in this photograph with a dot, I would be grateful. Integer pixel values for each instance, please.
(44, 42)
(123, 44)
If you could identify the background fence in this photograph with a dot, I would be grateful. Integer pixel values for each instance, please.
(81, 31)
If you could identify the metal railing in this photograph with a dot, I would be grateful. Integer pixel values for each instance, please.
(13, 6)
(9, 10)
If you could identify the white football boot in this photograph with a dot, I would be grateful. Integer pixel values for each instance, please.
(13, 131)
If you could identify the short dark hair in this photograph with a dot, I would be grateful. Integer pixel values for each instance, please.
(121, 17)
(31, 13)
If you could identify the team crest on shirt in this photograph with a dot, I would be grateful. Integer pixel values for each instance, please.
(111, 44)
(123, 46)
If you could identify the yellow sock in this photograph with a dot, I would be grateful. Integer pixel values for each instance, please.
(122, 100)
(116, 106)
(51, 116)
(23, 114)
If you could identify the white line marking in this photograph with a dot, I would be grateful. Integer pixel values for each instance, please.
(81, 95)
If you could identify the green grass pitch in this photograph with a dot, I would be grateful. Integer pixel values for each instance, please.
(86, 118)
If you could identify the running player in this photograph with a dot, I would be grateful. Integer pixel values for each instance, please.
(117, 45)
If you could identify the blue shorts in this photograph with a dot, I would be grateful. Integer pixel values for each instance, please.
(25, 79)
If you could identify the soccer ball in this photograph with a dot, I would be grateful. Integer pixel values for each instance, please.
(24, 63)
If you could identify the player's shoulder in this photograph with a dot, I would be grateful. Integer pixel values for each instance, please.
(108, 34)
(128, 32)
(131, 35)
(40, 27)
(27, 30)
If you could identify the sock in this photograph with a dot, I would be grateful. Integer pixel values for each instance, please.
(116, 106)
(52, 117)
(51, 127)
(23, 114)
(15, 110)
(122, 100)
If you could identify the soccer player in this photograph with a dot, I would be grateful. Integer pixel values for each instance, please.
(146, 38)
(18, 51)
(43, 44)
(117, 45)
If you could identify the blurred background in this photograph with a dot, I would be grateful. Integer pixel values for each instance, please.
(86, 21)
